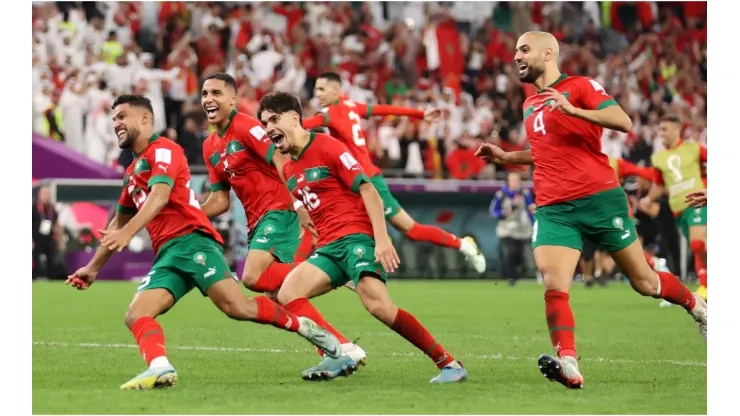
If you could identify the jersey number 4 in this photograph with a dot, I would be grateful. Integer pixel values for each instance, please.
(310, 199)
(539, 123)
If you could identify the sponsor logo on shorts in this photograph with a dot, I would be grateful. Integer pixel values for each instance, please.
(314, 256)
(388, 211)
(200, 258)
(362, 264)
(262, 240)
(626, 235)
(211, 271)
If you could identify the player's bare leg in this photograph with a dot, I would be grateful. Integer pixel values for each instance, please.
(262, 273)
(228, 297)
(698, 242)
(307, 281)
(376, 299)
(557, 264)
(140, 319)
(403, 222)
(658, 284)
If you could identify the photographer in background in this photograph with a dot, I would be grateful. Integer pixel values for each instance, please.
(514, 207)
(48, 237)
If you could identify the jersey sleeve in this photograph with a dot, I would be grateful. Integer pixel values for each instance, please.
(630, 169)
(125, 203)
(593, 96)
(369, 110)
(211, 157)
(702, 154)
(345, 167)
(253, 136)
(166, 163)
(318, 120)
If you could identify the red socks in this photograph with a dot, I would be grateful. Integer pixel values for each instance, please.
(700, 253)
(408, 327)
(561, 322)
(434, 235)
(304, 248)
(270, 313)
(150, 337)
(672, 290)
(271, 279)
(302, 307)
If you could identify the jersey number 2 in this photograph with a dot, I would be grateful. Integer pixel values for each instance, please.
(539, 123)
(356, 129)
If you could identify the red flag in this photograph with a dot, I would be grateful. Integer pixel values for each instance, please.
(451, 59)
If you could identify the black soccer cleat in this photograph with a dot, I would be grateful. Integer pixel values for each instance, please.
(563, 371)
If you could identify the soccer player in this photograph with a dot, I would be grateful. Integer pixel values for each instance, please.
(577, 195)
(678, 169)
(343, 117)
(189, 251)
(353, 239)
(240, 156)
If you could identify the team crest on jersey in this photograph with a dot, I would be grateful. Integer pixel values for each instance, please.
(200, 258)
(359, 251)
(141, 166)
(618, 223)
(269, 229)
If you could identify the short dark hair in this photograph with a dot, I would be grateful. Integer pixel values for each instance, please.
(134, 100)
(223, 76)
(331, 76)
(279, 102)
(670, 118)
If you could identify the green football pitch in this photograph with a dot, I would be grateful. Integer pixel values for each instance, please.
(636, 357)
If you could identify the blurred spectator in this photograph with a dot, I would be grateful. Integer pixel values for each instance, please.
(514, 208)
(48, 237)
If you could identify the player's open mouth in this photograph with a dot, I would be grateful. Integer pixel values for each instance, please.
(211, 111)
(277, 138)
(522, 66)
(121, 134)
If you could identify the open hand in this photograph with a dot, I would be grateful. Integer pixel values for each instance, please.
(559, 101)
(491, 152)
(697, 199)
(386, 254)
(115, 240)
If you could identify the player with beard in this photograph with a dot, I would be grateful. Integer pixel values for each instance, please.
(577, 195)
(156, 194)
(240, 156)
(342, 117)
(353, 239)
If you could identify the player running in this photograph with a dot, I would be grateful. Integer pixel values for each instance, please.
(353, 239)
(240, 156)
(189, 251)
(342, 117)
(577, 195)
(679, 169)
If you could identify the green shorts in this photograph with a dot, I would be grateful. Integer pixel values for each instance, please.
(691, 217)
(391, 207)
(603, 218)
(348, 258)
(277, 233)
(185, 262)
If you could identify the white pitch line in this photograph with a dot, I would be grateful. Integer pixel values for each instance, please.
(393, 354)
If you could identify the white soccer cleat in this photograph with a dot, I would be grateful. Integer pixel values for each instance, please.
(354, 352)
(473, 254)
(563, 370)
(319, 337)
(699, 313)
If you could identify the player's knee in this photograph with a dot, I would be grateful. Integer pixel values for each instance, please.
(249, 280)
(134, 314)
(286, 295)
(555, 281)
(698, 246)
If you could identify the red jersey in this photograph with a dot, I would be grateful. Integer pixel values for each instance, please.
(240, 157)
(568, 162)
(163, 161)
(327, 178)
(343, 119)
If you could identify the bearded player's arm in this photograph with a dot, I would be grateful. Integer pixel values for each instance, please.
(598, 107)
(165, 167)
(124, 212)
(218, 200)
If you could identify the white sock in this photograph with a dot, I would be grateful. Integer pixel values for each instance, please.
(454, 364)
(160, 362)
(657, 292)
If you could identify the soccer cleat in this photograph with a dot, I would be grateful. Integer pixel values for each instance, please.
(330, 368)
(699, 313)
(563, 370)
(665, 304)
(353, 351)
(319, 337)
(702, 291)
(473, 254)
(451, 374)
(152, 378)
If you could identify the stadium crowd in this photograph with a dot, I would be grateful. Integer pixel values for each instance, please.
(651, 56)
